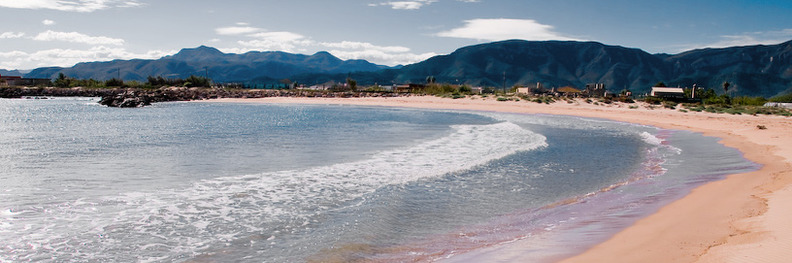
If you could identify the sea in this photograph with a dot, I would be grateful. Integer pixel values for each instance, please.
(247, 182)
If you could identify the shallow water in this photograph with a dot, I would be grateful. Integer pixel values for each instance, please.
(293, 183)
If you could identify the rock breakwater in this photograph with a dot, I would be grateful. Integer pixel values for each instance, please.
(136, 97)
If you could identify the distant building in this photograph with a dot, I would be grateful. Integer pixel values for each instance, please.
(477, 90)
(408, 87)
(324, 86)
(568, 91)
(537, 90)
(596, 90)
(10, 81)
(779, 105)
(667, 93)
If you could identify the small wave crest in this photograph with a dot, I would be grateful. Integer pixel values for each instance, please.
(651, 139)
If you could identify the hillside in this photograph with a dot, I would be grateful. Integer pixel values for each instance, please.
(221, 67)
(752, 70)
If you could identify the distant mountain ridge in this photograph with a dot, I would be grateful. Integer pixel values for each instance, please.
(761, 70)
(752, 70)
(219, 66)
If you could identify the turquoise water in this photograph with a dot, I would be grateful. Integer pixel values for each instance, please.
(211, 182)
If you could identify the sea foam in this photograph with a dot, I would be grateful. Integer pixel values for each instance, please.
(217, 211)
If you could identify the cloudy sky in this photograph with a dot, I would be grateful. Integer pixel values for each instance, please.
(37, 33)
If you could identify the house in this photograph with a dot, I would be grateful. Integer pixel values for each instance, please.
(6, 81)
(596, 90)
(524, 91)
(668, 93)
(324, 86)
(408, 87)
(568, 91)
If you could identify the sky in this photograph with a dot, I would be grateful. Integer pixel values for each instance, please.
(41, 33)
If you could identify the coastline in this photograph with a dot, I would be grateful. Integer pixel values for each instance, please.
(739, 218)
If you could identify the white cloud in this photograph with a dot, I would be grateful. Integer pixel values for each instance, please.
(75, 37)
(470, 1)
(69, 57)
(406, 5)
(278, 36)
(753, 38)
(69, 5)
(365, 46)
(389, 55)
(5, 35)
(381, 57)
(504, 29)
(48, 22)
(281, 41)
(745, 39)
(237, 30)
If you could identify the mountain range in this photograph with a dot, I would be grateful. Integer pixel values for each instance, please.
(761, 70)
(208, 61)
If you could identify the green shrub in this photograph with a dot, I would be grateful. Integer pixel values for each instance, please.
(653, 100)
(669, 104)
(785, 98)
(750, 101)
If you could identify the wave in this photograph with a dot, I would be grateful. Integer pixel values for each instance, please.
(183, 222)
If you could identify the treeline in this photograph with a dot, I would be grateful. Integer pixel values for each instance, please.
(63, 81)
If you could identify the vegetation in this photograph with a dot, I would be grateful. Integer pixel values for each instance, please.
(737, 109)
(352, 84)
(62, 81)
(785, 98)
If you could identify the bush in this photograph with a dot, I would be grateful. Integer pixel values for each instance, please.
(114, 82)
(719, 100)
(653, 100)
(785, 98)
(669, 104)
(749, 101)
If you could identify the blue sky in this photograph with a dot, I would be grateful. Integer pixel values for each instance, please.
(37, 33)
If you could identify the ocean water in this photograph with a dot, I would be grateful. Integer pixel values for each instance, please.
(219, 182)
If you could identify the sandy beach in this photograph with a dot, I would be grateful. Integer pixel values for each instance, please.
(743, 218)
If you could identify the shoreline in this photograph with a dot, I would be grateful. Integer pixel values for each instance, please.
(739, 218)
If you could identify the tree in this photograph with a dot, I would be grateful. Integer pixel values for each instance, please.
(430, 79)
(114, 82)
(726, 85)
(660, 84)
(352, 84)
(62, 81)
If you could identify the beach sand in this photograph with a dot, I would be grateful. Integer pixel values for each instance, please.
(744, 218)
